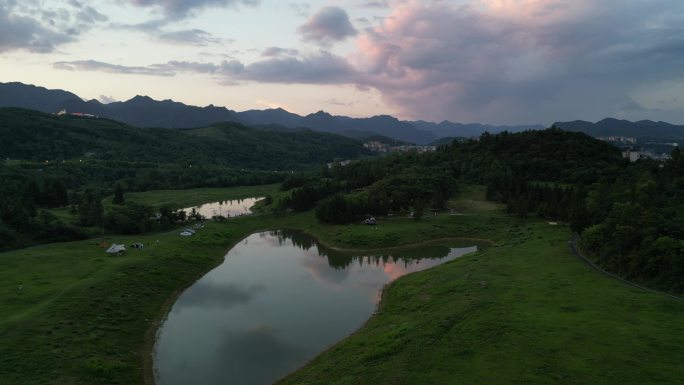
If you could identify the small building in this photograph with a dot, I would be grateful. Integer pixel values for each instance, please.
(632, 153)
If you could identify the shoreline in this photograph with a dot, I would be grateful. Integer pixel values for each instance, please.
(150, 338)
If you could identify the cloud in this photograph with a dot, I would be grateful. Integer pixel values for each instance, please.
(41, 27)
(328, 25)
(189, 36)
(18, 31)
(178, 9)
(300, 9)
(496, 61)
(336, 102)
(94, 65)
(104, 99)
(90, 15)
(321, 68)
(278, 51)
(228, 68)
(520, 61)
(375, 4)
(156, 29)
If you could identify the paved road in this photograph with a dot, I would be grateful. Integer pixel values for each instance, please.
(573, 247)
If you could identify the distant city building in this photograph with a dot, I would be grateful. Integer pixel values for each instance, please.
(341, 163)
(377, 146)
(631, 153)
(618, 139)
(81, 114)
(659, 157)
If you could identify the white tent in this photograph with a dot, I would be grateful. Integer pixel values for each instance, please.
(116, 249)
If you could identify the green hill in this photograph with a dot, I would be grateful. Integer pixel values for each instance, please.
(32, 135)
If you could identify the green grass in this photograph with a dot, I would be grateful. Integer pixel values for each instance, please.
(522, 311)
(469, 200)
(178, 199)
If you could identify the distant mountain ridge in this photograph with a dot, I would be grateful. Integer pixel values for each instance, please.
(616, 127)
(143, 111)
(449, 129)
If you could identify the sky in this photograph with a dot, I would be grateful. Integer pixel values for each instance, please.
(487, 61)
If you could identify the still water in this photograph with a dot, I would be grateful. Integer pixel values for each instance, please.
(231, 208)
(277, 301)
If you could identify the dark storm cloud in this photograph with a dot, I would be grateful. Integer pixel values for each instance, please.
(328, 25)
(176, 9)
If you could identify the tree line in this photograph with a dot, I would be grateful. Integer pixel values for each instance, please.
(630, 216)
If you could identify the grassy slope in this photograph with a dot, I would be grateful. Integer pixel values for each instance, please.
(186, 198)
(523, 311)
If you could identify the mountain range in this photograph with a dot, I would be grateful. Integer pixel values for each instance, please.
(643, 129)
(143, 111)
(32, 135)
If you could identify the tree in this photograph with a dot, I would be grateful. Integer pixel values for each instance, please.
(61, 197)
(418, 209)
(118, 195)
(90, 211)
(579, 216)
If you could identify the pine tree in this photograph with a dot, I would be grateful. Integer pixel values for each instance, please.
(118, 195)
(90, 209)
(59, 193)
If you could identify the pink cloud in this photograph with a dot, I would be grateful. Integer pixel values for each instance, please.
(516, 60)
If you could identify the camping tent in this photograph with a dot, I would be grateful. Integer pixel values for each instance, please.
(116, 249)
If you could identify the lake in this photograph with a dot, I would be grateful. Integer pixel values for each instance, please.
(229, 208)
(278, 300)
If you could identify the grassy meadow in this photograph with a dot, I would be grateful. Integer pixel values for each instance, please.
(178, 199)
(523, 310)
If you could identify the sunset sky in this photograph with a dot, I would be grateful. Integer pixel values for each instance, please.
(489, 61)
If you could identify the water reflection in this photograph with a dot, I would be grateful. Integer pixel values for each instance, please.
(210, 294)
(229, 208)
(339, 260)
(278, 300)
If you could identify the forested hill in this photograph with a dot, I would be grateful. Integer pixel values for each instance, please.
(32, 135)
(515, 167)
(630, 216)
